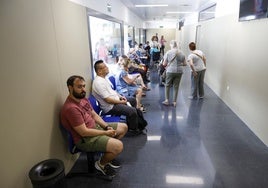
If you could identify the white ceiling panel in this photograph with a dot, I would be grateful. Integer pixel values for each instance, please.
(160, 13)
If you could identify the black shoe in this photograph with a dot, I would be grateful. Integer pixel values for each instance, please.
(135, 131)
(114, 164)
(107, 170)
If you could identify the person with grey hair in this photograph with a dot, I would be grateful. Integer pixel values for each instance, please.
(173, 61)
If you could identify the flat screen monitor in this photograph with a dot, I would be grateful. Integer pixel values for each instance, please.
(252, 9)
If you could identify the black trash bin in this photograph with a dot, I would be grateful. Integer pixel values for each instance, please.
(48, 174)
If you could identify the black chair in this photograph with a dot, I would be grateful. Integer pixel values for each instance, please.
(92, 172)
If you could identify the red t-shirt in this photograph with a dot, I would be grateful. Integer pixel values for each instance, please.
(76, 113)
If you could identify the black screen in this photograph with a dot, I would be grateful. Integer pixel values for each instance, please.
(252, 9)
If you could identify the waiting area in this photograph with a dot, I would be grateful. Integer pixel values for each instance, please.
(199, 143)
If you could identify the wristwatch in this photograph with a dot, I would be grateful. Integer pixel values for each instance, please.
(106, 128)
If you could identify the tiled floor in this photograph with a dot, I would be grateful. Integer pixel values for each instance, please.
(200, 143)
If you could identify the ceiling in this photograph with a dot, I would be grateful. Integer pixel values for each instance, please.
(160, 13)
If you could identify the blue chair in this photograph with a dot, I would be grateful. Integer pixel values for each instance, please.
(92, 172)
(112, 80)
(95, 104)
(107, 117)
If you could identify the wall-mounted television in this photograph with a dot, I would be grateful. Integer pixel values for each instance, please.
(252, 9)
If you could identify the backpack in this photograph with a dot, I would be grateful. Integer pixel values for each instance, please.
(142, 123)
(156, 56)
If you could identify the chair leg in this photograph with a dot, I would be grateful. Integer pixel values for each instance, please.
(91, 162)
(92, 172)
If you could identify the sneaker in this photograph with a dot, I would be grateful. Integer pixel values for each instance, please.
(114, 164)
(146, 89)
(142, 108)
(107, 170)
(191, 97)
(165, 103)
(201, 97)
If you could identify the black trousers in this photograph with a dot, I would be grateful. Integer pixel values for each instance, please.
(128, 111)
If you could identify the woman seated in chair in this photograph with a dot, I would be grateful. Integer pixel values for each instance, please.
(127, 86)
(137, 66)
(132, 75)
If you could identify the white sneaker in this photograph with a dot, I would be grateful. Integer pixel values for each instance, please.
(107, 170)
(165, 103)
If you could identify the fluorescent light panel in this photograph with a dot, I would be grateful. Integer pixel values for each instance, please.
(152, 5)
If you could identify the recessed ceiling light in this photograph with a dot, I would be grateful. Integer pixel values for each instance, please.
(178, 12)
(185, 5)
(152, 5)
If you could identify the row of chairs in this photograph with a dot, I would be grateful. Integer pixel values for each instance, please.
(91, 156)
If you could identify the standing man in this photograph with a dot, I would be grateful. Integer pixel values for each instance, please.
(88, 130)
(112, 102)
(197, 62)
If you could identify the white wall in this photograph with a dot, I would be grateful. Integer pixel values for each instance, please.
(42, 43)
(169, 34)
(237, 60)
(165, 24)
(237, 65)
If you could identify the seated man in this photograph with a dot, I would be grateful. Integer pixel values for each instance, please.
(89, 131)
(110, 101)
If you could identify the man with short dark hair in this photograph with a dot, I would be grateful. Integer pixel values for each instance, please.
(88, 130)
(110, 101)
